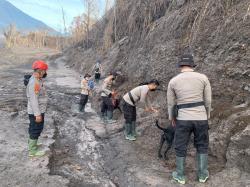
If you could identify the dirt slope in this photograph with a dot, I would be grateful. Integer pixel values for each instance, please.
(150, 37)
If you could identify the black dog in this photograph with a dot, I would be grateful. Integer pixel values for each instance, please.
(116, 104)
(168, 136)
(116, 100)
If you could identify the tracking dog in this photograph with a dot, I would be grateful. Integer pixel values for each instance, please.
(168, 136)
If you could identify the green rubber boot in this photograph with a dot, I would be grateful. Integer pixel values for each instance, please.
(127, 131)
(37, 144)
(104, 117)
(81, 108)
(203, 173)
(110, 117)
(133, 132)
(178, 175)
(33, 149)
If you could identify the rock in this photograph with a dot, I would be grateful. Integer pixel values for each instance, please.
(13, 114)
(230, 177)
(179, 3)
(123, 41)
(247, 88)
(76, 167)
(238, 152)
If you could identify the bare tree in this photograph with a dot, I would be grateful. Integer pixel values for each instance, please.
(64, 22)
(77, 29)
(108, 5)
(90, 16)
(11, 34)
(115, 29)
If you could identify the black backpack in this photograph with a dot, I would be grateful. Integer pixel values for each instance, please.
(26, 79)
(97, 69)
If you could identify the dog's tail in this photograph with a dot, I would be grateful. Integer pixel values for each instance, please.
(159, 127)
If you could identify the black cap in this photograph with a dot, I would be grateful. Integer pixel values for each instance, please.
(154, 81)
(114, 73)
(186, 60)
(87, 75)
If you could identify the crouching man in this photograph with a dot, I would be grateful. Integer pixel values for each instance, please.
(138, 94)
(107, 106)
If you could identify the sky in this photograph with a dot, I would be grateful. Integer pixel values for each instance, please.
(50, 11)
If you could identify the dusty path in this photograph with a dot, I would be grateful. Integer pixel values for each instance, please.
(90, 153)
(80, 147)
(82, 151)
(76, 151)
(16, 169)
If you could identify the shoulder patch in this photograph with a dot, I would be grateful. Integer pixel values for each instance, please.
(37, 88)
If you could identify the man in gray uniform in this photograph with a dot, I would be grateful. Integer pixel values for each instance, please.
(107, 107)
(84, 92)
(97, 68)
(137, 94)
(37, 104)
(189, 105)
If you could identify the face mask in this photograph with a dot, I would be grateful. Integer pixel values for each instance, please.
(44, 75)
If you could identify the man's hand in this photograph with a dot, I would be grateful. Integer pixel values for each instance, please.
(173, 122)
(90, 93)
(39, 119)
(154, 110)
(147, 109)
(151, 110)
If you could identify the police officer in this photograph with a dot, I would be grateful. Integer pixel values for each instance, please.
(85, 91)
(107, 106)
(189, 105)
(138, 94)
(97, 68)
(37, 104)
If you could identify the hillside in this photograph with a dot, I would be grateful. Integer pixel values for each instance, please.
(151, 35)
(9, 14)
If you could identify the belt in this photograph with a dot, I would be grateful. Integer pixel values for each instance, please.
(190, 105)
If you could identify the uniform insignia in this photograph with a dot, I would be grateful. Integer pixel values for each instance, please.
(37, 88)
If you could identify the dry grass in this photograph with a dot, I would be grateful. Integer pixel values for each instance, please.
(36, 39)
(127, 20)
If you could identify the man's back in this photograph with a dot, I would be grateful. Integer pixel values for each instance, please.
(190, 87)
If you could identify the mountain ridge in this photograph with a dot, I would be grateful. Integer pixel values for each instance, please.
(24, 23)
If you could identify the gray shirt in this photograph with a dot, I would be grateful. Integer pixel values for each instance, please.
(37, 97)
(85, 88)
(106, 87)
(97, 67)
(139, 94)
(190, 87)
